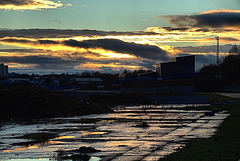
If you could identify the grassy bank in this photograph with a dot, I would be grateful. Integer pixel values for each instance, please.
(28, 102)
(224, 146)
(112, 100)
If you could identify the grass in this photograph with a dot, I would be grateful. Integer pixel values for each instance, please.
(30, 102)
(223, 146)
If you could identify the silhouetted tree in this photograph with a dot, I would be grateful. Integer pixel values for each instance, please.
(86, 74)
(209, 70)
(215, 77)
(125, 71)
(230, 67)
(234, 50)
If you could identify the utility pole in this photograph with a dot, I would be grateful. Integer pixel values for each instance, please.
(217, 38)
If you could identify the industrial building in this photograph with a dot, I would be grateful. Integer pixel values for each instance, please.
(177, 68)
(3, 71)
(138, 77)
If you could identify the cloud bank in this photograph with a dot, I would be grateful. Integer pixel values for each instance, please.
(139, 50)
(209, 19)
(205, 49)
(70, 50)
(29, 4)
(117, 46)
(61, 33)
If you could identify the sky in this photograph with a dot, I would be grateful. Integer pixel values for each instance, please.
(72, 36)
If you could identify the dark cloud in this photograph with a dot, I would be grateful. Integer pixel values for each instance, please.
(202, 30)
(46, 64)
(169, 30)
(148, 55)
(42, 62)
(26, 41)
(48, 42)
(15, 40)
(216, 19)
(175, 28)
(204, 49)
(140, 50)
(58, 33)
(142, 63)
(16, 2)
(23, 51)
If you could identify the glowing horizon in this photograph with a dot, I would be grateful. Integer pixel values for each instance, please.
(50, 35)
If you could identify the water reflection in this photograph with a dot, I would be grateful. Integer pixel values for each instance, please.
(40, 159)
(34, 146)
(65, 137)
(93, 133)
(46, 159)
(116, 134)
(22, 148)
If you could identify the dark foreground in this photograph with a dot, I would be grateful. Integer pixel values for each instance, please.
(30, 102)
(21, 102)
(224, 146)
(135, 133)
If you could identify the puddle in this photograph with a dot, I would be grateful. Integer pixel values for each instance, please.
(44, 159)
(115, 134)
(93, 133)
(27, 160)
(65, 137)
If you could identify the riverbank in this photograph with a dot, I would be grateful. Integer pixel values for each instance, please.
(223, 146)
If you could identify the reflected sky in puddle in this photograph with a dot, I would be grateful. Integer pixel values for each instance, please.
(93, 133)
(46, 159)
(34, 146)
(115, 135)
(21, 148)
(27, 160)
(65, 137)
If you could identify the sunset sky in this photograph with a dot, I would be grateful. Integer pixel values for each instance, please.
(69, 36)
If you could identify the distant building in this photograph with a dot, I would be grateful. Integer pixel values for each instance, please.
(3, 71)
(96, 81)
(17, 81)
(177, 68)
(127, 77)
(148, 76)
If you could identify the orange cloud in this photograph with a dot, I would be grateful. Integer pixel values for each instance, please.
(106, 48)
(54, 46)
(220, 11)
(29, 4)
(112, 66)
(173, 34)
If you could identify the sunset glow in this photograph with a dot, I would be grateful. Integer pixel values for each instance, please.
(31, 5)
(105, 48)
